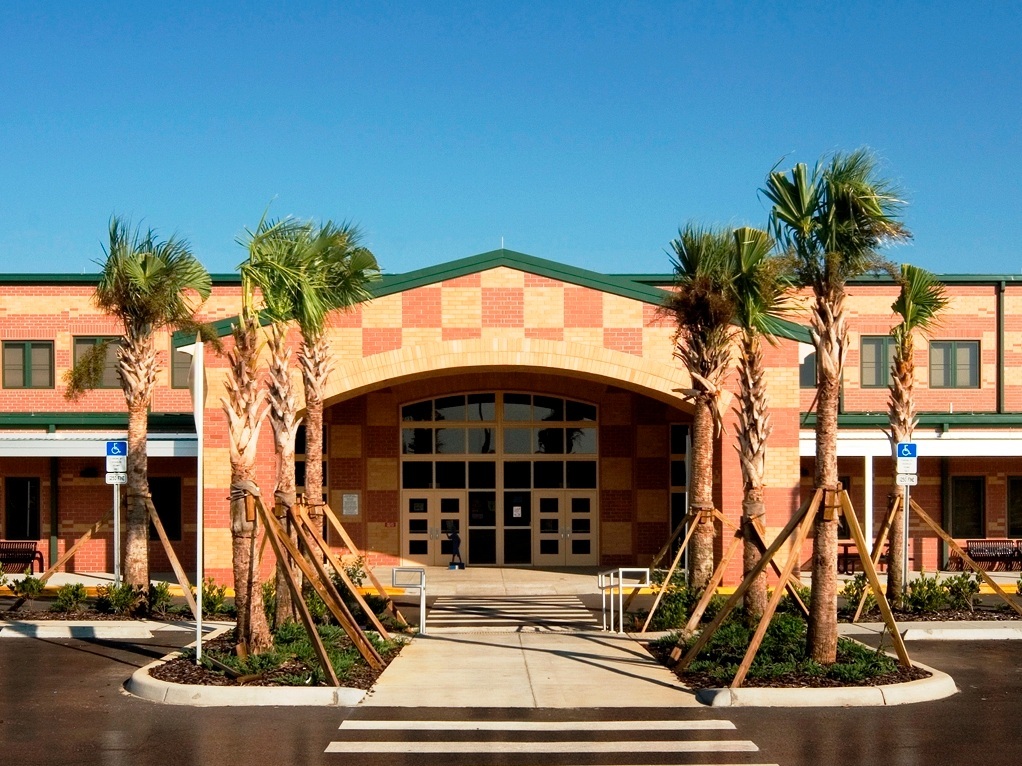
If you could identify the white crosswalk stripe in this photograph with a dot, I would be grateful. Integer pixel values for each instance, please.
(549, 741)
(509, 614)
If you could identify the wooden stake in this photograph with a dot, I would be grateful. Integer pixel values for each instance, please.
(808, 508)
(878, 548)
(663, 589)
(175, 563)
(711, 586)
(965, 557)
(325, 591)
(66, 556)
(775, 598)
(350, 545)
(298, 601)
(660, 554)
(874, 581)
(339, 569)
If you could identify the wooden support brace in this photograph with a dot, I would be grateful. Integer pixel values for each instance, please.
(338, 567)
(324, 590)
(175, 563)
(878, 548)
(791, 583)
(810, 507)
(350, 545)
(711, 586)
(775, 599)
(298, 601)
(874, 581)
(965, 557)
(660, 554)
(66, 556)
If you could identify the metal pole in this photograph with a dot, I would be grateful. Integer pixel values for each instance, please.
(904, 541)
(117, 534)
(198, 381)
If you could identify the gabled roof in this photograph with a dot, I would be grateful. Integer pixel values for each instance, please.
(627, 288)
(633, 287)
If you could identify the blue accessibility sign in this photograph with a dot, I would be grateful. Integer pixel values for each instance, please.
(907, 449)
(116, 448)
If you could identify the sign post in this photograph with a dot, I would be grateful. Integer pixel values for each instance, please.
(116, 467)
(908, 476)
(197, 386)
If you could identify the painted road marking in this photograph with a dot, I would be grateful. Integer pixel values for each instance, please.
(575, 746)
(646, 726)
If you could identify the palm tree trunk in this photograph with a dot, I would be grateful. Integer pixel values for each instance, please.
(137, 367)
(245, 415)
(701, 567)
(753, 431)
(902, 419)
(316, 367)
(829, 335)
(284, 420)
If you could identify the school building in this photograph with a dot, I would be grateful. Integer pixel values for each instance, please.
(530, 405)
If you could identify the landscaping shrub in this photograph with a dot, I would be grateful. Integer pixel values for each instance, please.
(788, 605)
(70, 598)
(852, 593)
(123, 599)
(214, 598)
(159, 599)
(962, 590)
(926, 594)
(28, 587)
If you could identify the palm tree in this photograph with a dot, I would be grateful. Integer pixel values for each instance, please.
(919, 304)
(336, 271)
(149, 286)
(834, 222)
(701, 305)
(759, 283)
(273, 267)
(246, 410)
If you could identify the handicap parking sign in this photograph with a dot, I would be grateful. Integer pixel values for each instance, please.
(116, 449)
(907, 449)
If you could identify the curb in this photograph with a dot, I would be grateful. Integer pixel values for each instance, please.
(142, 685)
(938, 686)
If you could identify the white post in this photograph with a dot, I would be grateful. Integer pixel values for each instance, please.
(117, 534)
(868, 505)
(197, 384)
(904, 552)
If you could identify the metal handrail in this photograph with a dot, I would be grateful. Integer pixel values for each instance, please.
(612, 580)
(419, 582)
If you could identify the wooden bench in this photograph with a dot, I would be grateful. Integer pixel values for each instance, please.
(997, 554)
(18, 555)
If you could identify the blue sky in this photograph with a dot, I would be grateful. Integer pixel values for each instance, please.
(581, 132)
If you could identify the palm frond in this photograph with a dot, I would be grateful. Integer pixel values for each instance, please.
(921, 300)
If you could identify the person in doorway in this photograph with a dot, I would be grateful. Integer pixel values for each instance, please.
(455, 538)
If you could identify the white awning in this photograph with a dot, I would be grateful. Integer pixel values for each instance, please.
(954, 443)
(22, 444)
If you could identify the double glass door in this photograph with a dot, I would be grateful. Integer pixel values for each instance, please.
(431, 519)
(566, 528)
(527, 527)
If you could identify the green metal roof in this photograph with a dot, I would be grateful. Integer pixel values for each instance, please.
(158, 422)
(942, 420)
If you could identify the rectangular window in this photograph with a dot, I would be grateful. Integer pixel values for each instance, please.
(180, 366)
(28, 364)
(1015, 506)
(21, 508)
(968, 500)
(954, 364)
(876, 355)
(166, 492)
(110, 377)
(807, 371)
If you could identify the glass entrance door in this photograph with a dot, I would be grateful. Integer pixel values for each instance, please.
(430, 519)
(566, 528)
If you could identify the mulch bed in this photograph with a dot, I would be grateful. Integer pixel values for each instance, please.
(787, 681)
(184, 671)
(1000, 613)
